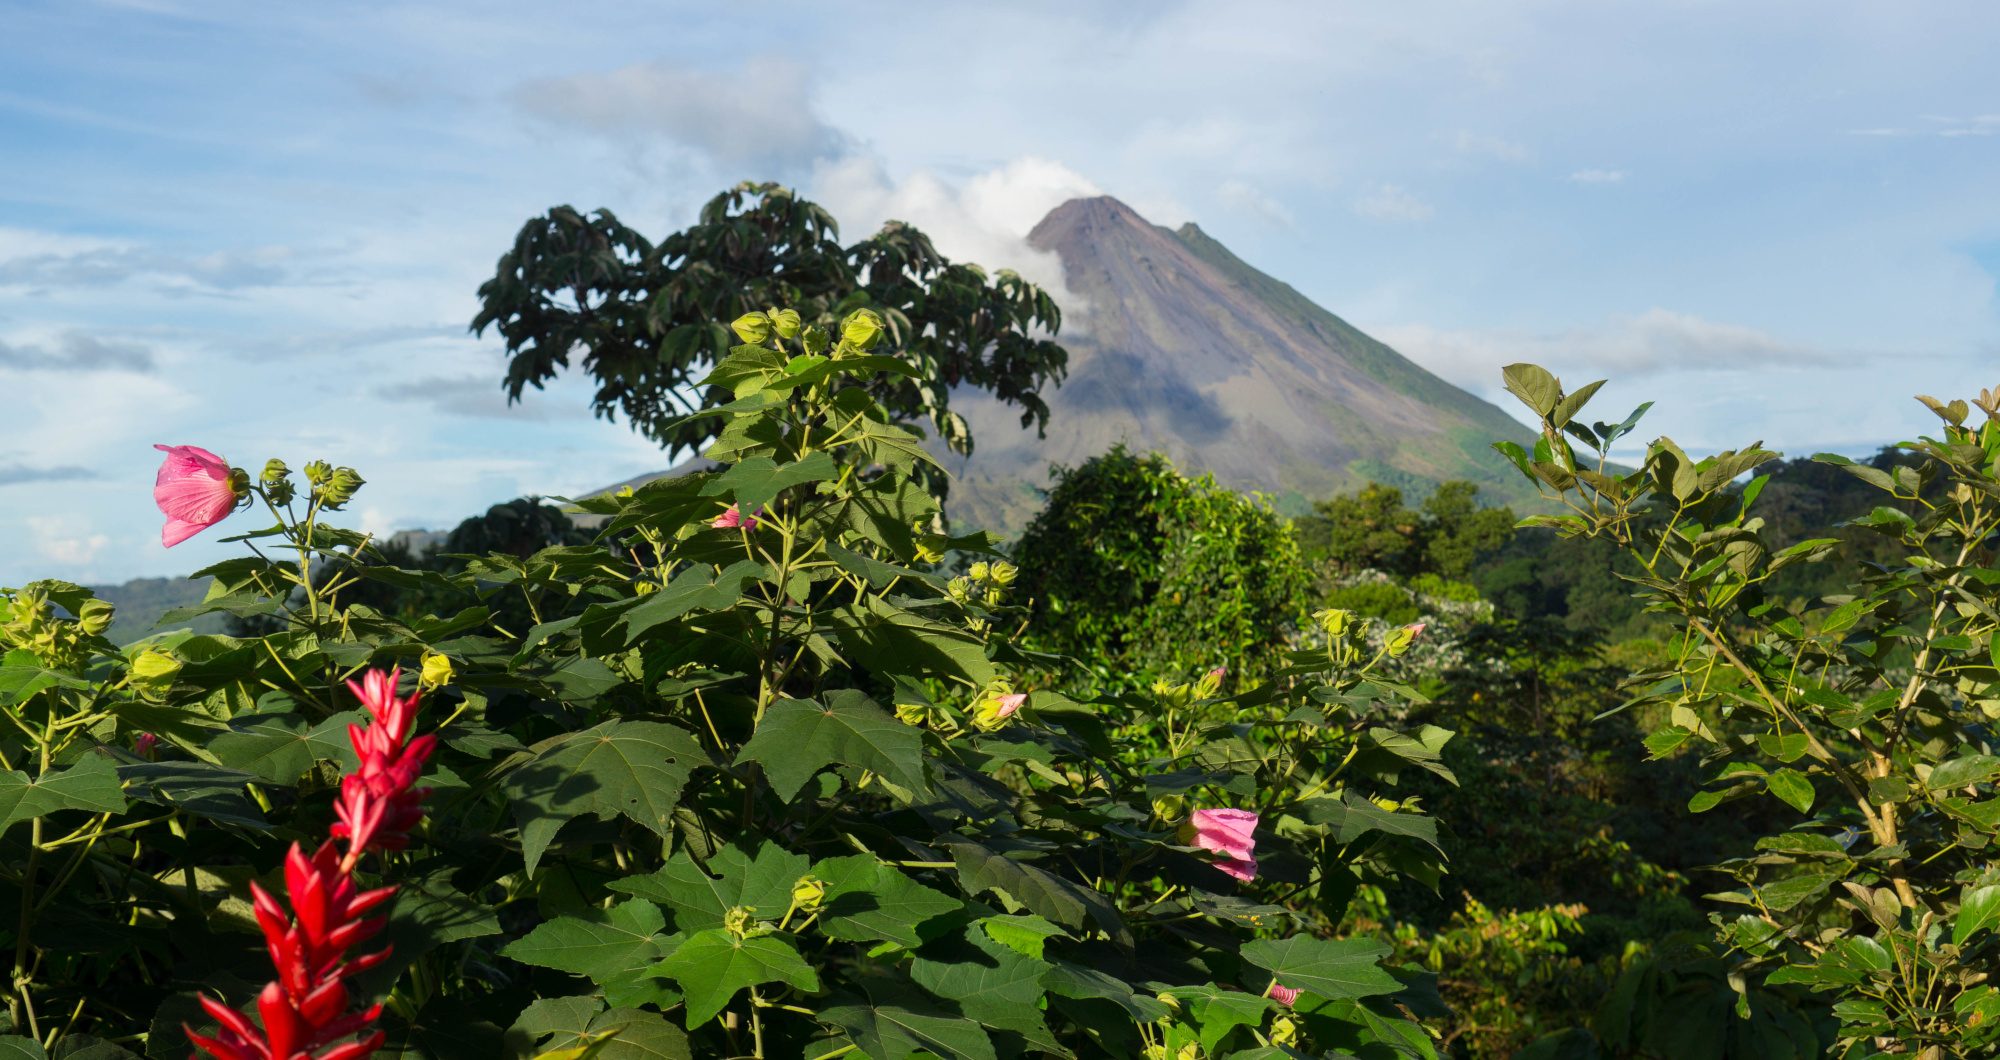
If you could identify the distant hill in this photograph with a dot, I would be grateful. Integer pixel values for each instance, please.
(1180, 346)
(140, 602)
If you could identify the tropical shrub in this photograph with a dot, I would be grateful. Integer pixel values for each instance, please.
(1867, 713)
(1138, 571)
(761, 778)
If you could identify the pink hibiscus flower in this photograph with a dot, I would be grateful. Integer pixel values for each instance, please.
(1284, 994)
(732, 519)
(1230, 833)
(194, 490)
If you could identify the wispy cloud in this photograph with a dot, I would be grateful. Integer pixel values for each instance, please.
(14, 474)
(75, 351)
(1940, 126)
(103, 265)
(1597, 176)
(1658, 340)
(1390, 202)
(475, 397)
(759, 115)
(1244, 197)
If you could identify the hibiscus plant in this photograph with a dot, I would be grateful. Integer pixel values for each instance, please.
(1867, 716)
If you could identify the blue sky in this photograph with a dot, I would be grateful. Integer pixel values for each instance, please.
(259, 227)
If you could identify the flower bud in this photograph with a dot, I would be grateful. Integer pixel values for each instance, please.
(752, 327)
(1400, 640)
(145, 745)
(930, 548)
(1170, 808)
(808, 894)
(996, 706)
(275, 471)
(339, 487)
(318, 471)
(1004, 572)
(994, 596)
(437, 670)
(741, 921)
(860, 329)
(912, 713)
(814, 340)
(1333, 621)
(94, 617)
(1284, 1030)
(979, 571)
(153, 672)
(786, 323)
(959, 589)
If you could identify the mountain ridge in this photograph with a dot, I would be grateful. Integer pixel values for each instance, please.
(1186, 349)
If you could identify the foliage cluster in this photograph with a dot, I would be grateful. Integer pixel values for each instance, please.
(1866, 714)
(1137, 570)
(757, 777)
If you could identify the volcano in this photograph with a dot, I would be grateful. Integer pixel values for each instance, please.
(1183, 348)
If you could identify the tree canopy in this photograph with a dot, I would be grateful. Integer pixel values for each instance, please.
(648, 319)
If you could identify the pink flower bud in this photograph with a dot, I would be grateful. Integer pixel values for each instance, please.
(1285, 995)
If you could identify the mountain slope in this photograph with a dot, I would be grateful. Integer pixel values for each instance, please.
(1181, 347)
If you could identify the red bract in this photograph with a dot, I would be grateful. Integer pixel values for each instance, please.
(306, 1008)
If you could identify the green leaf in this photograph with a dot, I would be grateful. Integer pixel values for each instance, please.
(713, 965)
(1787, 747)
(887, 639)
(634, 769)
(698, 901)
(754, 482)
(281, 747)
(1037, 889)
(889, 1022)
(992, 983)
(1793, 890)
(694, 589)
(1533, 384)
(1963, 771)
(618, 943)
(196, 787)
(799, 737)
(1666, 740)
(1026, 935)
(22, 675)
(1566, 409)
(1068, 979)
(1355, 816)
(15, 1047)
(1335, 969)
(575, 1022)
(867, 900)
(1793, 787)
(1978, 908)
(91, 784)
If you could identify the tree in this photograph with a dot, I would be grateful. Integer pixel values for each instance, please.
(1373, 529)
(649, 319)
(1149, 572)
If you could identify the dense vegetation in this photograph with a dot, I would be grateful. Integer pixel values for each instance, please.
(767, 760)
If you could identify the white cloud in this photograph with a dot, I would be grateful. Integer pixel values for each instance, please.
(984, 219)
(1598, 176)
(1244, 197)
(1495, 147)
(1389, 202)
(63, 540)
(1658, 340)
(762, 114)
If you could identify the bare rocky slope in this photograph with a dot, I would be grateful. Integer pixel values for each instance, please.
(1182, 348)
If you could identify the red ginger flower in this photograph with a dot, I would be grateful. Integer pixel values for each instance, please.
(378, 804)
(306, 1007)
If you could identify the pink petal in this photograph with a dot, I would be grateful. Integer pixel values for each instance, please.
(1285, 995)
(1008, 704)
